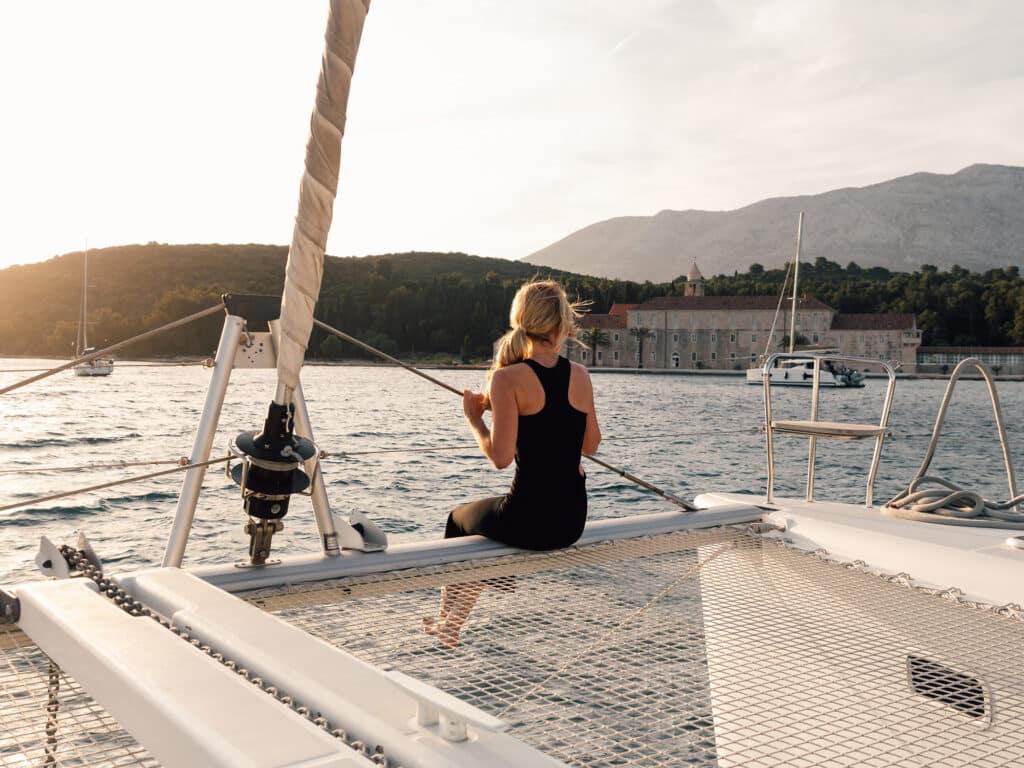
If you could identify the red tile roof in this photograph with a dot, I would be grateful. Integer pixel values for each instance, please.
(883, 321)
(621, 309)
(603, 321)
(728, 303)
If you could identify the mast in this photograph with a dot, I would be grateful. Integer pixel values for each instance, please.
(317, 191)
(83, 340)
(796, 277)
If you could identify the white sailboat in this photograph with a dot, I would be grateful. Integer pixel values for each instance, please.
(799, 371)
(99, 366)
(751, 631)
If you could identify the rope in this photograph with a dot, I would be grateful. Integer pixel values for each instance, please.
(326, 455)
(950, 504)
(206, 363)
(363, 345)
(102, 486)
(953, 505)
(607, 635)
(181, 462)
(113, 348)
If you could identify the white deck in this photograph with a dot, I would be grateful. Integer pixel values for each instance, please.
(975, 560)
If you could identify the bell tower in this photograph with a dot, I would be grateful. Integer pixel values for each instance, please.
(694, 281)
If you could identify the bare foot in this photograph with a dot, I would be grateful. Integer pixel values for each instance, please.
(444, 630)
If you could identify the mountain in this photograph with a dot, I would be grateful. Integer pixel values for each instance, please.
(973, 218)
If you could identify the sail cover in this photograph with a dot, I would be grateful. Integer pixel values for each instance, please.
(318, 189)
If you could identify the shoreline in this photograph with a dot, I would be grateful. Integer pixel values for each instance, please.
(427, 366)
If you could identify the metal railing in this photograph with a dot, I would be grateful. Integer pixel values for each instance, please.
(812, 432)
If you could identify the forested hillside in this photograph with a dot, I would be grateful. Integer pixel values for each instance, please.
(413, 303)
(419, 304)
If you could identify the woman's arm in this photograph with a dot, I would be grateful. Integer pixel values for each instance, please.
(498, 443)
(584, 395)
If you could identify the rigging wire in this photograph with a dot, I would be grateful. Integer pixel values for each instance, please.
(206, 363)
(102, 486)
(685, 505)
(114, 347)
(778, 308)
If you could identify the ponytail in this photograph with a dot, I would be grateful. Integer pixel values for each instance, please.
(540, 312)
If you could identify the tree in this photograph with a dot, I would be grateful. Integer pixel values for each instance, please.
(640, 333)
(801, 340)
(594, 338)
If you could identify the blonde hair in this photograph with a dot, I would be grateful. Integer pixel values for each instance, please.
(540, 312)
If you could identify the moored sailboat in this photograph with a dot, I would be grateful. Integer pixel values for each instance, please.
(799, 372)
(99, 366)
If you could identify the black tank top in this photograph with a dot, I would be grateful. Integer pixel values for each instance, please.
(548, 491)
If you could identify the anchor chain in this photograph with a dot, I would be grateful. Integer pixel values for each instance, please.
(79, 561)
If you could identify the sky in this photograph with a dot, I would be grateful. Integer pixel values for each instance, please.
(484, 126)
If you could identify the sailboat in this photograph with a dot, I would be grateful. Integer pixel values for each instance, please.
(797, 369)
(100, 366)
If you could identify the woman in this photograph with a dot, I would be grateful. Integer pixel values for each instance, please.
(542, 415)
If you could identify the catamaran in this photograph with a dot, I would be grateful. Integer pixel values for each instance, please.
(743, 629)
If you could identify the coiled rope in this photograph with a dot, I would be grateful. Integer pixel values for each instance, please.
(955, 505)
(949, 503)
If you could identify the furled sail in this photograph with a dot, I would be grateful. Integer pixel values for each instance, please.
(317, 191)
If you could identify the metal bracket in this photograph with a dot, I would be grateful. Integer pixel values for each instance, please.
(448, 714)
(86, 549)
(50, 561)
(10, 608)
(359, 532)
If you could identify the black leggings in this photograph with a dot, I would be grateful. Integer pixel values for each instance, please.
(527, 526)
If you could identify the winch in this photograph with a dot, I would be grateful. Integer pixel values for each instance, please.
(268, 474)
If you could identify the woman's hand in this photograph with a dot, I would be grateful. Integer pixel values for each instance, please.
(473, 406)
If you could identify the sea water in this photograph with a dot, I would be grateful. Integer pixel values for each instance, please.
(399, 450)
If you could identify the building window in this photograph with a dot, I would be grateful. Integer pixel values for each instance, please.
(732, 357)
(693, 357)
(753, 357)
(675, 359)
(615, 337)
(583, 355)
(714, 338)
(814, 338)
(675, 338)
(615, 355)
(714, 356)
(600, 356)
(654, 337)
(654, 355)
(753, 338)
(732, 337)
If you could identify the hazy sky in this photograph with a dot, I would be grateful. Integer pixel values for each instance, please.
(493, 127)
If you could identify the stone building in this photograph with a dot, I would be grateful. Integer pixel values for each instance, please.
(695, 331)
(1004, 361)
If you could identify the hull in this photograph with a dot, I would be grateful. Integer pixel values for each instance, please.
(798, 378)
(99, 367)
(800, 373)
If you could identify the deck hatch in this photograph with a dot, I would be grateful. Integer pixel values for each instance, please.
(937, 681)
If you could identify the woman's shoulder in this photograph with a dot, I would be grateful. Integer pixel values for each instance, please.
(579, 371)
(510, 373)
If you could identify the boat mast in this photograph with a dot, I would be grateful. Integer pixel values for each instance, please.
(83, 340)
(796, 277)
